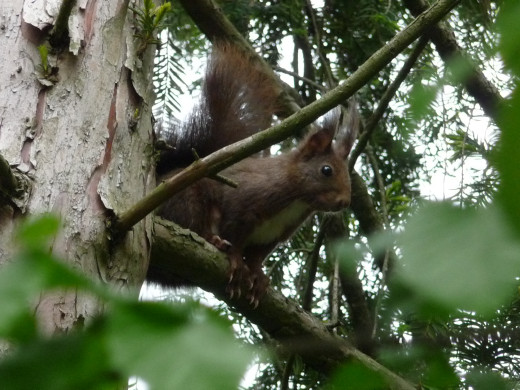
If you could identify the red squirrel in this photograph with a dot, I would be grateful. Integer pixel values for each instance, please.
(275, 194)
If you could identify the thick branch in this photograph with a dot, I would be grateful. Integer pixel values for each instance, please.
(482, 90)
(361, 203)
(210, 19)
(231, 154)
(181, 253)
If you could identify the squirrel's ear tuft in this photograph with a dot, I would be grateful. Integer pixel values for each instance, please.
(318, 142)
(349, 129)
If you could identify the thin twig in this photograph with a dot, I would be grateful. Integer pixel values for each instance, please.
(217, 177)
(385, 101)
(304, 79)
(382, 192)
(312, 269)
(317, 39)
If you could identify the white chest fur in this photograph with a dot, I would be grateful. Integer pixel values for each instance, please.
(272, 229)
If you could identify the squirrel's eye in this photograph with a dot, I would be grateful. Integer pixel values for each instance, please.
(326, 170)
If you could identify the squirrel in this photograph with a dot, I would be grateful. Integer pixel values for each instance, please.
(275, 194)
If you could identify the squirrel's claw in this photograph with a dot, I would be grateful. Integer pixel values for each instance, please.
(237, 272)
(233, 288)
(260, 283)
(233, 291)
(219, 243)
(254, 302)
(242, 277)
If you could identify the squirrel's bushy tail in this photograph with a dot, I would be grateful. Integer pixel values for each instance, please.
(237, 100)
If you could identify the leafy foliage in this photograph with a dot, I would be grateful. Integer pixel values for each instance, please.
(441, 290)
(182, 37)
(150, 20)
(424, 315)
(124, 342)
(168, 77)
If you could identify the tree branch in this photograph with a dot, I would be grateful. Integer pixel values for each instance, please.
(482, 90)
(371, 221)
(312, 268)
(181, 253)
(376, 116)
(352, 289)
(314, 84)
(231, 154)
(361, 202)
(302, 44)
(212, 22)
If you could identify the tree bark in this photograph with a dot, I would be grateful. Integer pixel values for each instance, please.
(82, 135)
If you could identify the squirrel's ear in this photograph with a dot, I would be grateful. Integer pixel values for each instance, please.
(319, 142)
(348, 130)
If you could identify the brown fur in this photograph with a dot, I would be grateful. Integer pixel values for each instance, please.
(275, 194)
(237, 100)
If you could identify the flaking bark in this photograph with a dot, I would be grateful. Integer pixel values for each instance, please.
(75, 142)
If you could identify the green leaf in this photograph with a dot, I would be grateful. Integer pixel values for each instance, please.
(356, 376)
(439, 374)
(32, 271)
(507, 160)
(459, 259)
(38, 232)
(160, 13)
(483, 380)
(507, 157)
(39, 271)
(460, 69)
(507, 23)
(44, 55)
(77, 361)
(158, 343)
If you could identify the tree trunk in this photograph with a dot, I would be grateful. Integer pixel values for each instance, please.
(81, 133)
